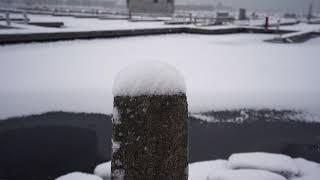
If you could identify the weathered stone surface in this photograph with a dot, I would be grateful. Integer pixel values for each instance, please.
(150, 137)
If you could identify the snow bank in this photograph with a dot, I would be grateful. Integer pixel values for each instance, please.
(307, 168)
(219, 170)
(277, 163)
(103, 170)
(246, 175)
(78, 176)
(243, 116)
(202, 170)
(263, 166)
(148, 78)
(306, 178)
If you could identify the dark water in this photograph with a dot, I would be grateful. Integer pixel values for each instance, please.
(52, 144)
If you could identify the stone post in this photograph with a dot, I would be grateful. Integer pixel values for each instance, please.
(150, 127)
(242, 14)
(278, 25)
(8, 20)
(25, 18)
(130, 16)
(266, 24)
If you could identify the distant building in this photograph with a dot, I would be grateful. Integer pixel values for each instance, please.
(84, 3)
(309, 16)
(290, 15)
(165, 7)
(242, 14)
(195, 7)
(222, 14)
(222, 17)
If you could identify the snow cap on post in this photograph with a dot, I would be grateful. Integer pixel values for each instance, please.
(149, 78)
(149, 123)
(78, 176)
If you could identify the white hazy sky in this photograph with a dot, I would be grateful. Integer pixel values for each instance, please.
(263, 4)
(285, 5)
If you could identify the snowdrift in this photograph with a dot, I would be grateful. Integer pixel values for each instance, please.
(244, 166)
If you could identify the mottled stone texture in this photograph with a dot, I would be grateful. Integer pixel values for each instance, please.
(150, 138)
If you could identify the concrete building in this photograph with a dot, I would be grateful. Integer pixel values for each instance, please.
(222, 17)
(84, 3)
(165, 7)
(242, 14)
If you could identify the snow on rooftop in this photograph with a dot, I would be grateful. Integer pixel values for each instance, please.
(278, 163)
(79, 176)
(149, 78)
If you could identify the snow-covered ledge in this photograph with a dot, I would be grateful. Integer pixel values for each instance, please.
(150, 127)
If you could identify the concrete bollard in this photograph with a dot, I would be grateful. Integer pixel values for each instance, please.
(278, 25)
(25, 18)
(8, 20)
(266, 24)
(130, 16)
(150, 127)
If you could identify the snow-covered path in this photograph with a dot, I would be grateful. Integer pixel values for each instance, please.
(225, 71)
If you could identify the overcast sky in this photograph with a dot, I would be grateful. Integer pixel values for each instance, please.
(300, 5)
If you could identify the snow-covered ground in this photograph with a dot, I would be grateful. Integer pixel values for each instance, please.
(87, 24)
(221, 72)
(303, 27)
(94, 24)
(242, 166)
